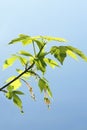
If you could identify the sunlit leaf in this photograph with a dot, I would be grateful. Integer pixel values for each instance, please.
(54, 39)
(22, 60)
(51, 62)
(71, 54)
(78, 52)
(40, 44)
(9, 62)
(25, 53)
(19, 39)
(9, 95)
(10, 88)
(16, 84)
(26, 75)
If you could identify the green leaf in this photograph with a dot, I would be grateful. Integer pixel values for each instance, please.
(59, 53)
(10, 88)
(39, 43)
(16, 84)
(41, 65)
(51, 62)
(49, 91)
(17, 101)
(71, 54)
(9, 62)
(54, 39)
(78, 52)
(26, 39)
(26, 75)
(18, 92)
(19, 39)
(25, 53)
(22, 60)
(9, 95)
(43, 85)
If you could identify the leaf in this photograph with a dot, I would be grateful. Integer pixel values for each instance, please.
(72, 54)
(49, 91)
(78, 52)
(59, 53)
(9, 95)
(9, 62)
(18, 92)
(10, 88)
(41, 65)
(26, 75)
(39, 43)
(25, 53)
(26, 39)
(22, 60)
(51, 62)
(43, 85)
(54, 39)
(19, 39)
(16, 84)
(17, 101)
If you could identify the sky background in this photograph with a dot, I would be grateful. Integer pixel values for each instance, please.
(61, 18)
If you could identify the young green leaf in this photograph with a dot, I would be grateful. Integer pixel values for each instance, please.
(9, 95)
(41, 65)
(51, 62)
(17, 101)
(9, 62)
(25, 53)
(41, 84)
(71, 54)
(49, 91)
(54, 39)
(26, 75)
(18, 92)
(78, 52)
(16, 84)
(59, 53)
(39, 43)
(22, 60)
(19, 39)
(10, 88)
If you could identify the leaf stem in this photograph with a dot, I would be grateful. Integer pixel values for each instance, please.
(34, 48)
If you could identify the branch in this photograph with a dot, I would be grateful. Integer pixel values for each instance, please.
(17, 77)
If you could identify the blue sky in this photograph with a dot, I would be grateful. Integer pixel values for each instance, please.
(67, 19)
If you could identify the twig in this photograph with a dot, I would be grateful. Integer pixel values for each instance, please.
(17, 77)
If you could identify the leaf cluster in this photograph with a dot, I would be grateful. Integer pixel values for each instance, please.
(35, 65)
